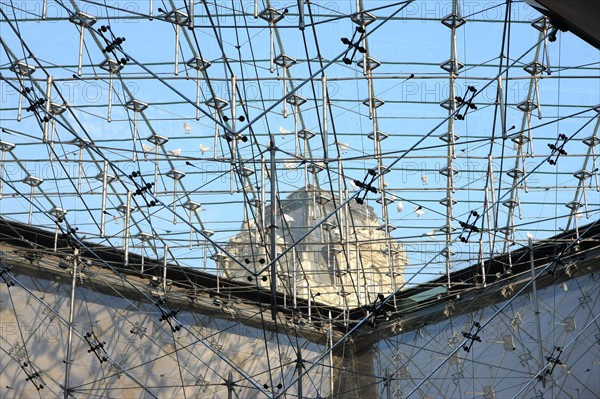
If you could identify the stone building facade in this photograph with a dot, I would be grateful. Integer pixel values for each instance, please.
(346, 261)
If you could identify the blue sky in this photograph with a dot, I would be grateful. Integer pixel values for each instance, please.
(412, 42)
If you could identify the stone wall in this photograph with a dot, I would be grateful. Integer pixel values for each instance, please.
(141, 356)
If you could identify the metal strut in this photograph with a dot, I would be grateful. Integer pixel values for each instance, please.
(536, 307)
(70, 333)
(273, 231)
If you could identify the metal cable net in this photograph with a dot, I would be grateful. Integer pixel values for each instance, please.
(333, 154)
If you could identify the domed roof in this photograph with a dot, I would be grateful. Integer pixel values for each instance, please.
(343, 258)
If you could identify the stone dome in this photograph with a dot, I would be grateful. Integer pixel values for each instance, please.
(345, 261)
